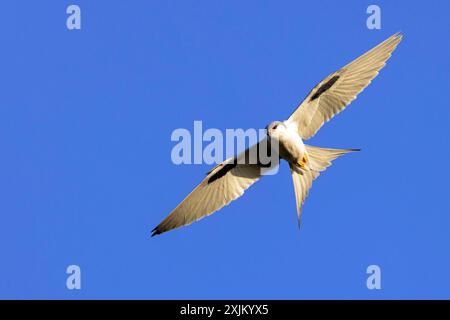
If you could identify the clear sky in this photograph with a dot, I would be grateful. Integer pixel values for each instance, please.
(85, 169)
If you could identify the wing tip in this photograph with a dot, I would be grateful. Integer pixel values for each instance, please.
(397, 37)
(156, 231)
(399, 34)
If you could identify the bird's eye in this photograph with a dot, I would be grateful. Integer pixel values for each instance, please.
(275, 127)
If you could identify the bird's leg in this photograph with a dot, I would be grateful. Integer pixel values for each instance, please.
(303, 161)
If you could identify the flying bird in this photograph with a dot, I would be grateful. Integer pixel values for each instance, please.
(228, 181)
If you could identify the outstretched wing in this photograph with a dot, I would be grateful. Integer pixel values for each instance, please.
(225, 183)
(337, 90)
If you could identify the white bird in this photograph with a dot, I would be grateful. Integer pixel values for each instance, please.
(228, 181)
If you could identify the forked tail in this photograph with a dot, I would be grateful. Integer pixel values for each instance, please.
(319, 159)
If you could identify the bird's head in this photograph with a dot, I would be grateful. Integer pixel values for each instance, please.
(275, 128)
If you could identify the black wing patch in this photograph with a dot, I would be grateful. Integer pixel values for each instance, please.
(326, 86)
(246, 160)
(223, 171)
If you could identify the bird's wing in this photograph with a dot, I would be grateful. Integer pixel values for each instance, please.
(225, 183)
(337, 90)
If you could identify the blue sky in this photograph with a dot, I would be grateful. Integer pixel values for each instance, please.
(85, 173)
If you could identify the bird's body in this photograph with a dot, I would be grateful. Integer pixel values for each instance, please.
(228, 181)
(290, 144)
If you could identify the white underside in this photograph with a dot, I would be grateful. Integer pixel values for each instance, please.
(291, 144)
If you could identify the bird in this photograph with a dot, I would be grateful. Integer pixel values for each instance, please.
(227, 181)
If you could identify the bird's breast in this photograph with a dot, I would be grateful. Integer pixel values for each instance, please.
(291, 146)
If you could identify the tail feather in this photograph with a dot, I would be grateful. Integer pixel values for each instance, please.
(319, 160)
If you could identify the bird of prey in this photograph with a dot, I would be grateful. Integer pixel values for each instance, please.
(228, 181)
